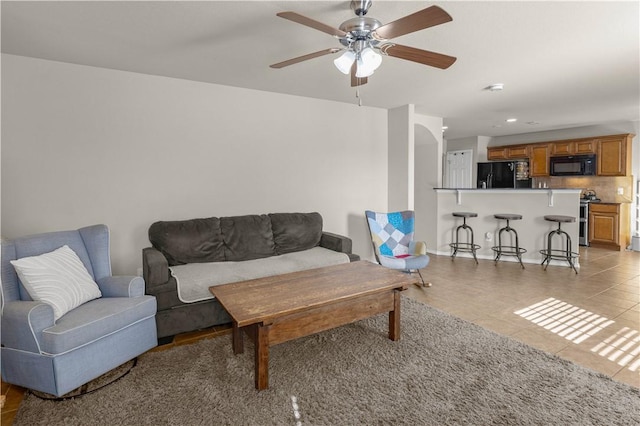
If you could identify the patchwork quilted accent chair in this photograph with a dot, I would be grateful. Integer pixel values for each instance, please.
(393, 244)
(65, 319)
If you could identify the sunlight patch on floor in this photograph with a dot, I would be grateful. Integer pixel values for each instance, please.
(296, 410)
(622, 347)
(571, 322)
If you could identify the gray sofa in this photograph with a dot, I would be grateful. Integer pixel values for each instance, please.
(188, 256)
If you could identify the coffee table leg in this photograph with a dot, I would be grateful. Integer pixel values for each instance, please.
(262, 356)
(394, 317)
(236, 339)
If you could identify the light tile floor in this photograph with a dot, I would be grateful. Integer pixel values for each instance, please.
(591, 318)
(509, 300)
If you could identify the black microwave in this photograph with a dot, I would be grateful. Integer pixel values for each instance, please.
(573, 165)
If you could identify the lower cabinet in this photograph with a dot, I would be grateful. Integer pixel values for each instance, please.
(609, 225)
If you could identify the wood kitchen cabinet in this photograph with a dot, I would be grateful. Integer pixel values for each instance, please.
(518, 152)
(584, 147)
(609, 225)
(614, 156)
(539, 160)
(510, 152)
(497, 153)
(574, 147)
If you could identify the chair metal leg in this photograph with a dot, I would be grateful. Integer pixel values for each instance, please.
(508, 250)
(468, 246)
(424, 284)
(567, 254)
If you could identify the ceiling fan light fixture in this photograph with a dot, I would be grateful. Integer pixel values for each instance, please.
(368, 61)
(371, 58)
(345, 62)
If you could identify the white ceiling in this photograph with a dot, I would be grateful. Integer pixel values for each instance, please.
(563, 64)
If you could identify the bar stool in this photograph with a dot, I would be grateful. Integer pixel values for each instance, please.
(504, 250)
(468, 246)
(565, 254)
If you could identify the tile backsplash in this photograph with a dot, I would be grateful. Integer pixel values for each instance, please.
(605, 187)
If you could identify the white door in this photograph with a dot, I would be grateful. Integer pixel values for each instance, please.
(459, 168)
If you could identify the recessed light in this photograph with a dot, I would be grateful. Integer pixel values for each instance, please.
(495, 87)
(511, 120)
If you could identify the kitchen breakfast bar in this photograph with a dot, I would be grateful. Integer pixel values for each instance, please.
(532, 229)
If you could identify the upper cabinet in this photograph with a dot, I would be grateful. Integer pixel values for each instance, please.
(539, 160)
(573, 147)
(497, 153)
(510, 152)
(614, 156)
(518, 152)
(585, 147)
(613, 153)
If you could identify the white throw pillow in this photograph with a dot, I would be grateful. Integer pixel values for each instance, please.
(58, 278)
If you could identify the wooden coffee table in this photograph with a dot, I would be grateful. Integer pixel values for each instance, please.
(279, 308)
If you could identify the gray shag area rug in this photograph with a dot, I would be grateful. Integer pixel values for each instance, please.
(443, 371)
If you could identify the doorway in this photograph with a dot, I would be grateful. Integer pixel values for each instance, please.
(459, 169)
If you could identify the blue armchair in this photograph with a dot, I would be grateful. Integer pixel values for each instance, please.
(393, 243)
(56, 356)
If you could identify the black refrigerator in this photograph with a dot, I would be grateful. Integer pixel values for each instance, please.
(504, 174)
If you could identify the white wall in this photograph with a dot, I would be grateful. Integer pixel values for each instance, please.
(429, 162)
(401, 154)
(83, 145)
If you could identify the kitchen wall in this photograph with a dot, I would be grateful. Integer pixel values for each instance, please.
(605, 187)
(84, 145)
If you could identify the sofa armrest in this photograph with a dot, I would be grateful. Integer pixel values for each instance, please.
(155, 268)
(335, 242)
(121, 286)
(23, 322)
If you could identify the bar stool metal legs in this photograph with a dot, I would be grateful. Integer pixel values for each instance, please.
(556, 254)
(506, 250)
(468, 246)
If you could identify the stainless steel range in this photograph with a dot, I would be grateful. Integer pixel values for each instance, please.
(584, 222)
(588, 197)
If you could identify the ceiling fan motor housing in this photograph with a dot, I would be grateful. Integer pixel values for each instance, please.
(361, 7)
(359, 28)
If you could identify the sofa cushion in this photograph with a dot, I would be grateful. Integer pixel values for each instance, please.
(94, 320)
(296, 231)
(247, 237)
(188, 241)
(193, 281)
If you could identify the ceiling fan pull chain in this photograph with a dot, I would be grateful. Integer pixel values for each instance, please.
(358, 97)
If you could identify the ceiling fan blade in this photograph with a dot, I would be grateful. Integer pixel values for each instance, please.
(305, 57)
(356, 81)
(296, 17)
(425, 18)
(425, 57)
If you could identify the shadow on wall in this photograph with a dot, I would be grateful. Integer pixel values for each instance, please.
(358, 230)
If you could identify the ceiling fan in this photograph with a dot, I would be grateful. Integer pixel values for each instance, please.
(365, 39)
